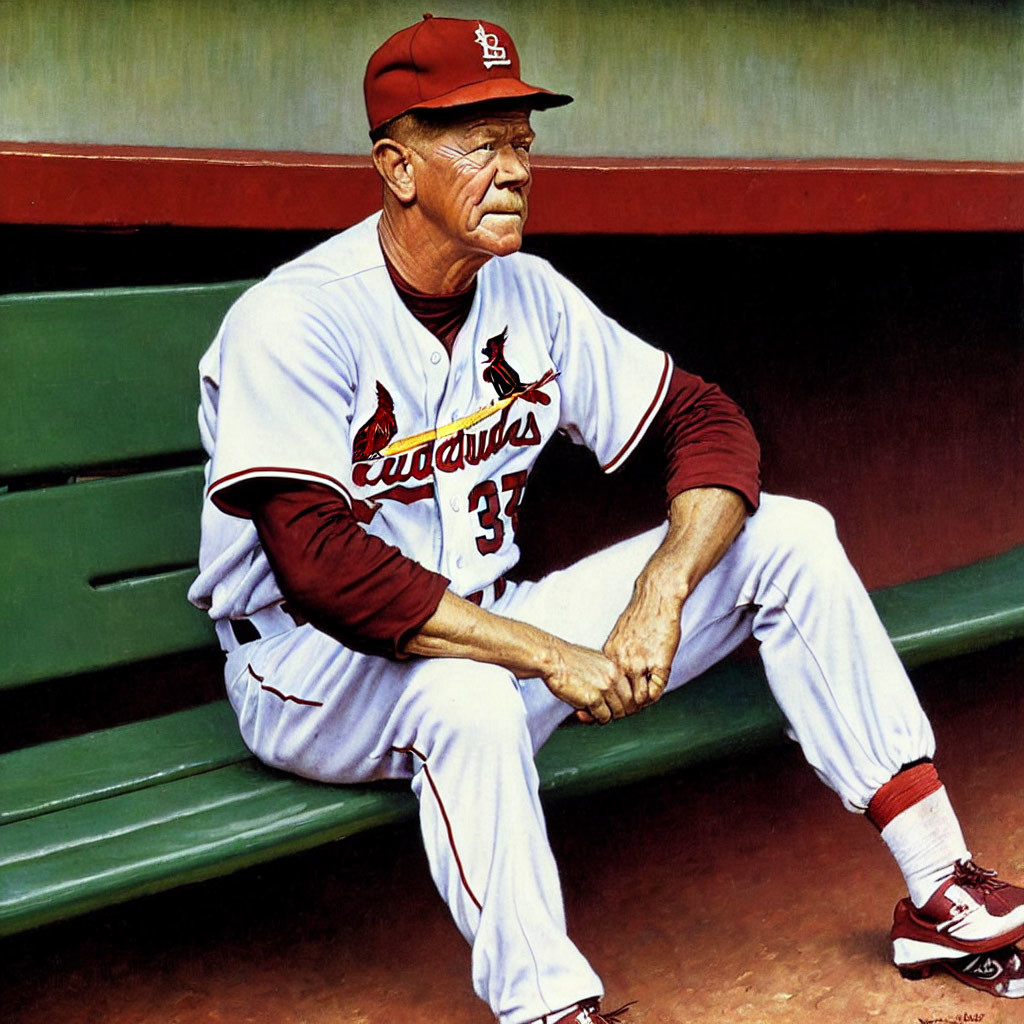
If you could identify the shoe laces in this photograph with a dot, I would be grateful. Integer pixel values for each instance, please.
(970, 876)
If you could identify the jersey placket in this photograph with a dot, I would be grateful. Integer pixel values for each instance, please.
(451, 488)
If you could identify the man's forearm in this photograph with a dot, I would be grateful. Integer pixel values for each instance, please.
(703, 523)
(460, 629)
(583, 678)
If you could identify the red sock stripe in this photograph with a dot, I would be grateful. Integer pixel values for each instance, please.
(447, 824)
(903, 791)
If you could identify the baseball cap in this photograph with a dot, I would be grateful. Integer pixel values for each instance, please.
(447, 62)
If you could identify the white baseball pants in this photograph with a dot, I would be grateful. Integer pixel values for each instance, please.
(465, 733)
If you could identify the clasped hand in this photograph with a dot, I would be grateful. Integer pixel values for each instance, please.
(632, 669)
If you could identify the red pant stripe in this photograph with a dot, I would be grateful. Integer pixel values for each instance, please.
(447, 824)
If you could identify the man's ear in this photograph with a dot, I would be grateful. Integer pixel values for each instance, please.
(394, 164)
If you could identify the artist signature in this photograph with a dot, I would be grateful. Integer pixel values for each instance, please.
(960, 1018)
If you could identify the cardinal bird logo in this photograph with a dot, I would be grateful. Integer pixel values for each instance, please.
(373, 436)
(497, 371)
(504, 378)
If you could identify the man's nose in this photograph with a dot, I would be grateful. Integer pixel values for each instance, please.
(513, 167)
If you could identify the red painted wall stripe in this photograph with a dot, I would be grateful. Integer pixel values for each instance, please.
(42, 183)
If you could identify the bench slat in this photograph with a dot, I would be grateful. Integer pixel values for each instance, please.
(103, 764)
(184, 831)
(60, 546)
(956, 612)
(77, 386)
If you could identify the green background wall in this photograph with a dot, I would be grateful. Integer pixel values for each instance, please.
(732, 78)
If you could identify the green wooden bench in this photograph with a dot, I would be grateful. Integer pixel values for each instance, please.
(100, 487)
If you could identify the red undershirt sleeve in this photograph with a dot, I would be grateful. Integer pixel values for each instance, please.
(708, 441)
(346, 582)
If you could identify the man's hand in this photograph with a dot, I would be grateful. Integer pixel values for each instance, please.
(703, 522)
(591, 683)
(645, 638)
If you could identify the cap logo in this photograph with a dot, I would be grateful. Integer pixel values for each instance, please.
(494, 55)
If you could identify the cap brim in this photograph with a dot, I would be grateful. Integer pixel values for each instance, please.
(495, 89)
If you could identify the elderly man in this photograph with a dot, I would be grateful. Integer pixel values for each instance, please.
(372, 412)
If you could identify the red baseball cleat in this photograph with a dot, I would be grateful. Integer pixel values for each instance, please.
(587, 1013)
(971, 913)
(1000, 972)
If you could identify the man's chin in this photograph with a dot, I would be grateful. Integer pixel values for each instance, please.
(510, 246)
(502, 243)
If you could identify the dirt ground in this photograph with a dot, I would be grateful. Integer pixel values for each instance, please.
(738, 892)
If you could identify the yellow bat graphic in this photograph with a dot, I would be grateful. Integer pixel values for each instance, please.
(405, 444)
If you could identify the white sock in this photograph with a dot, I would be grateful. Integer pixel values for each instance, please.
(926, 841)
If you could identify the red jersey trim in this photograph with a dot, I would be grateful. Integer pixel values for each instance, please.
(645, 420)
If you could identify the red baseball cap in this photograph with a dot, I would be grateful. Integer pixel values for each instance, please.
(447, 62)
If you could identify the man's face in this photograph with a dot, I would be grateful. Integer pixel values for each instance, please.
(473, 180)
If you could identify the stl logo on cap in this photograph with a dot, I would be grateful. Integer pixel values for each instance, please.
(434, 64)
(493, 54)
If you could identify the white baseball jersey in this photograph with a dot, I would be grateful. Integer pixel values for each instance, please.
(321, 373)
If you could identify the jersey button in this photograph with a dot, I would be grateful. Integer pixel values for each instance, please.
(435, 358)
(455, 504)
(460, 562)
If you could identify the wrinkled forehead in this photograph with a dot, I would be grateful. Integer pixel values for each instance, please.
(496, 116)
